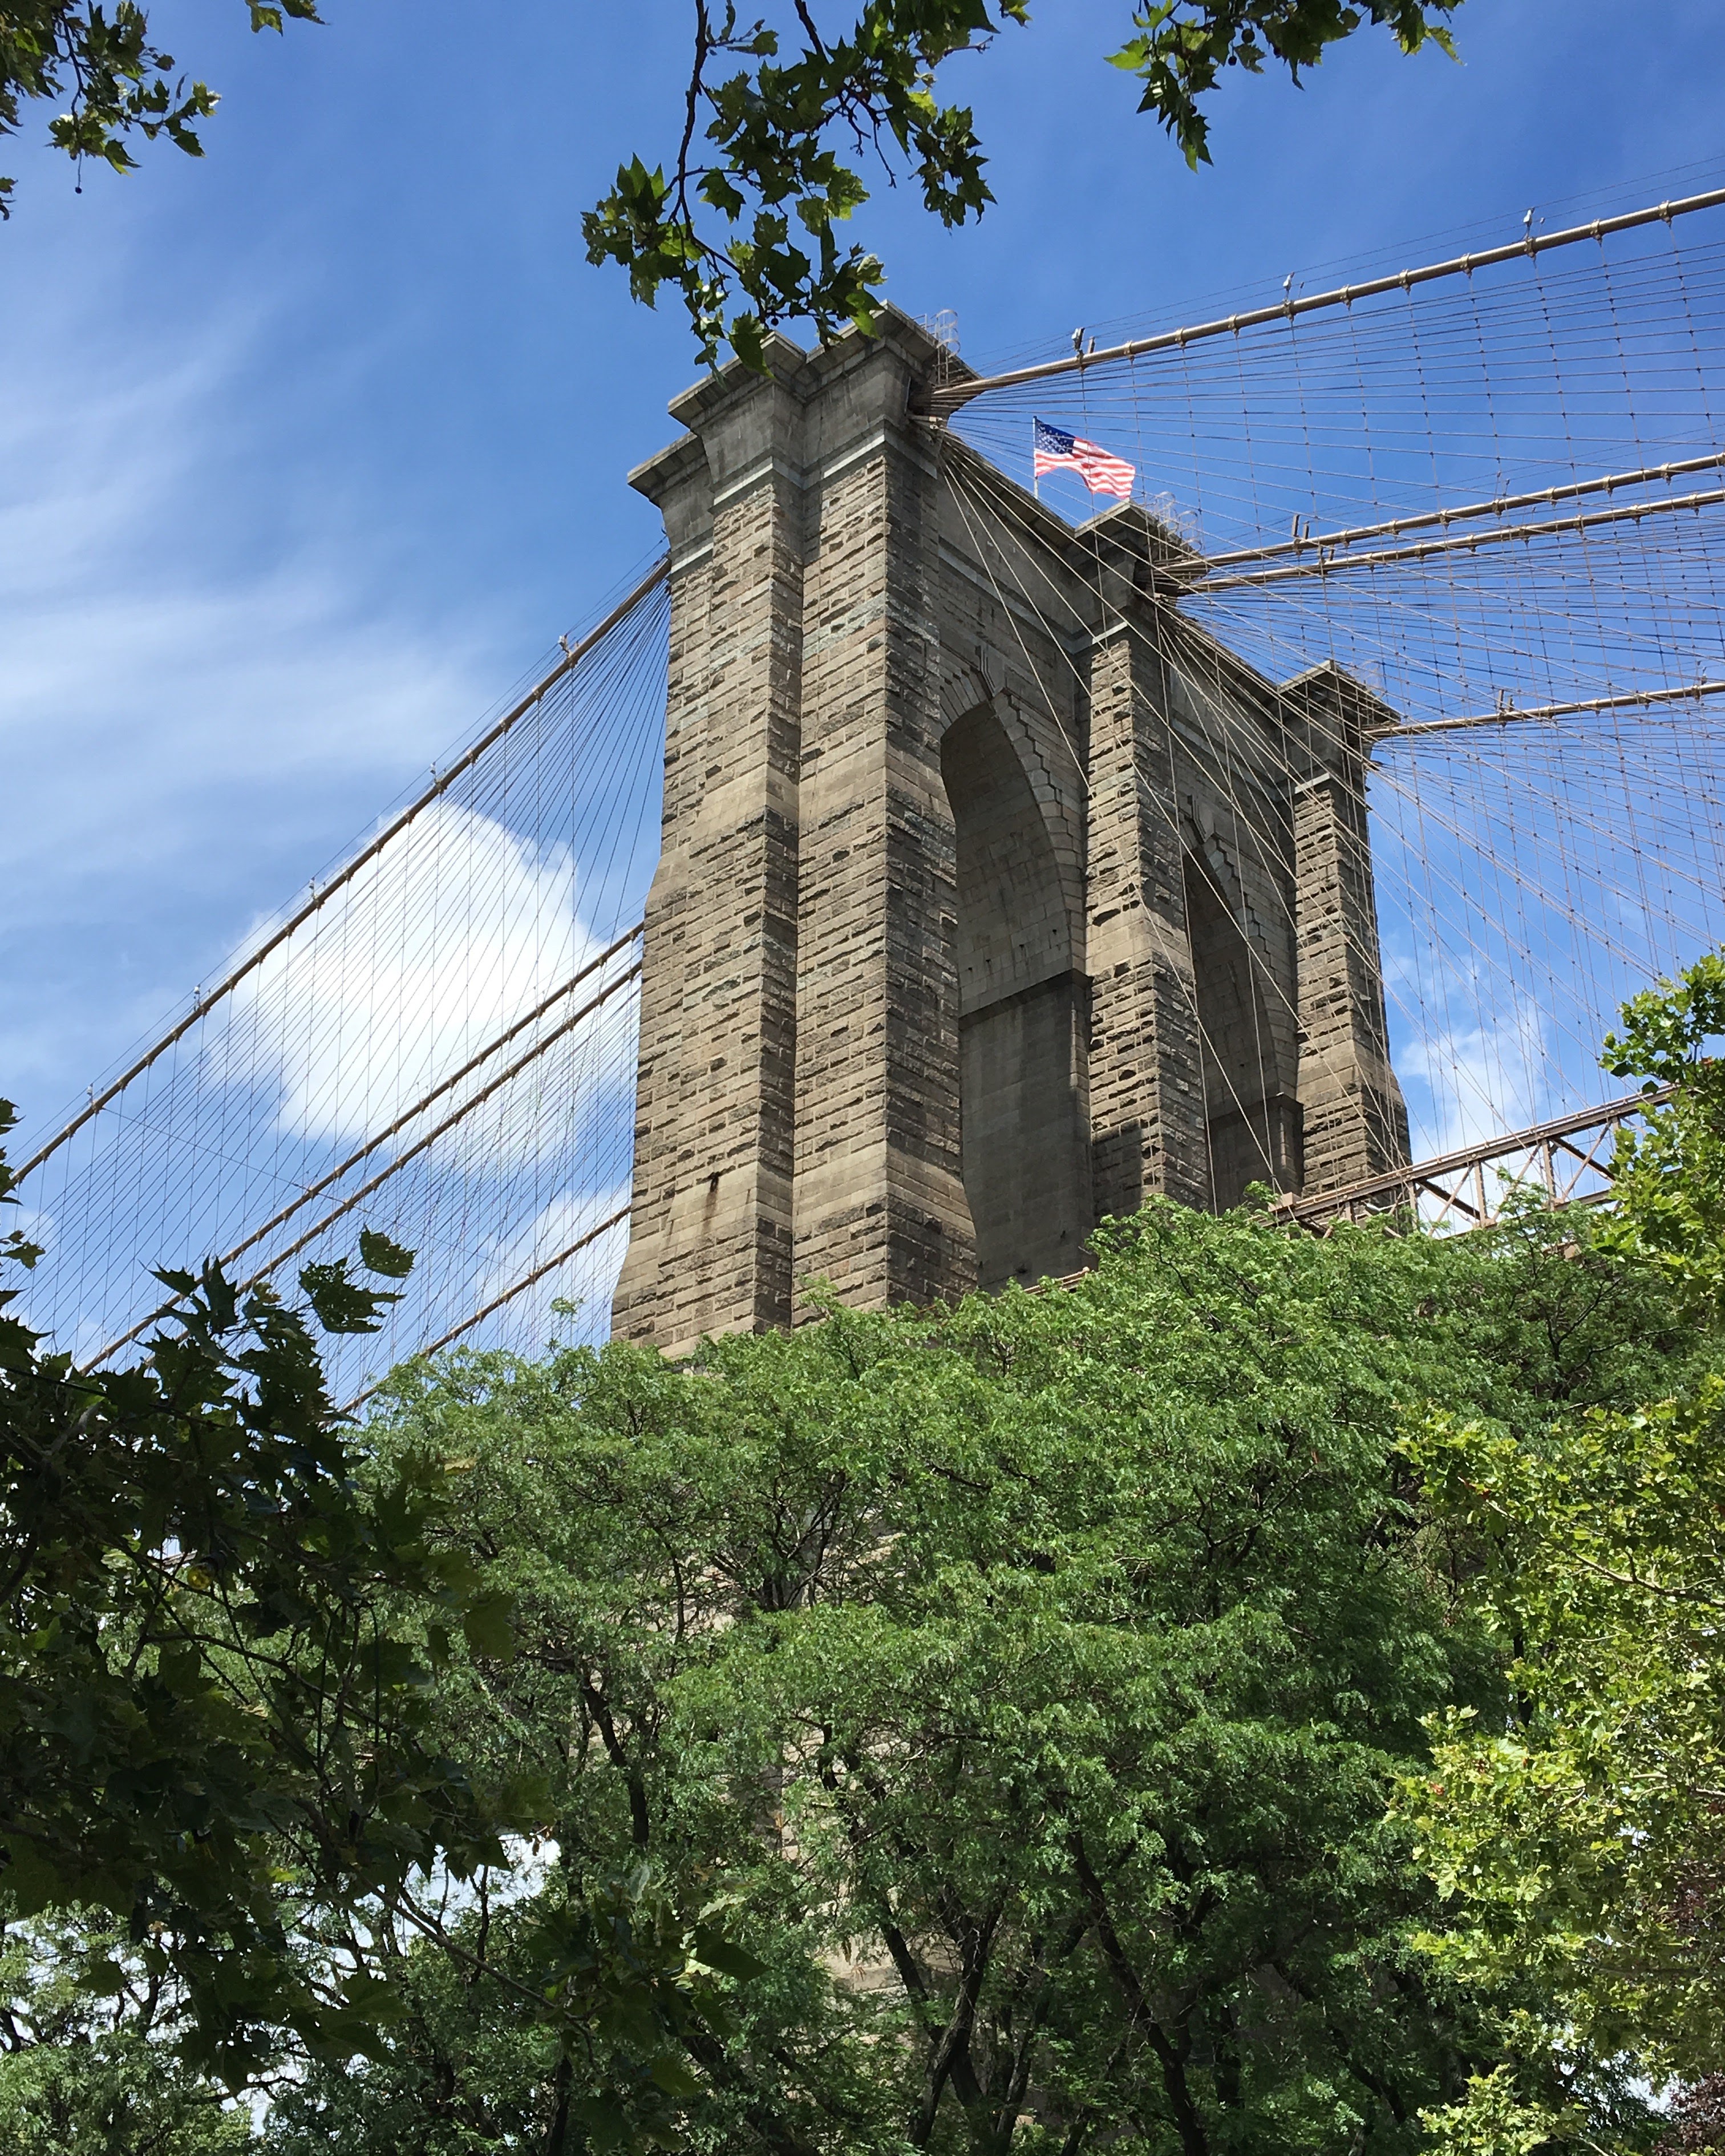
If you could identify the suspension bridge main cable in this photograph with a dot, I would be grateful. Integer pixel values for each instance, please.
(574, 653)
(1317, 543)
(499, 1302)
(1466, 543)
(333, 1176)
(949, 396)
(1526, 873)
(1511, 714)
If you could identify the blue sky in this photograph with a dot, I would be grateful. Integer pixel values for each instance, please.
(313, 448)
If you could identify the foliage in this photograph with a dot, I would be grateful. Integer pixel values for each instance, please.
(745, 233)
(1492, 2120)
(771, 123)
(565, 2015)
(122, 85)
(223, 1624)
(1182, 47)
(1580, 1838)
(85, 2065)
(208, 1713)
(1027, 1683)
(1266, 1695)
(1670, 1176)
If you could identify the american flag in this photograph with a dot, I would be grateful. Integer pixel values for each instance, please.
(1055, 451)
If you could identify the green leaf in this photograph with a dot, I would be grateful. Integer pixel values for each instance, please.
(378, 1253)
(673, 2075)
(718, 1953)
(488, 1622)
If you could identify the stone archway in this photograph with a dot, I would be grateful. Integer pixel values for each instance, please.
(1253, 1126)
(1022, 1011)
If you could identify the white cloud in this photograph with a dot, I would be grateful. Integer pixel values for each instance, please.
(206, 687)
(160, 648)
(217, 667)
(458, 929)
(1477, 1080)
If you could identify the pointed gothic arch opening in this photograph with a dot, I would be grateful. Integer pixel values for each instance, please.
(1022, 1016)
(1253, 1121)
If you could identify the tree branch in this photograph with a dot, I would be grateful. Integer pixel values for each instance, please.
(1194, 2141)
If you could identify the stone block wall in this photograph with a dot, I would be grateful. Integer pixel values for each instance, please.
(995, 896)
(1356, 1122)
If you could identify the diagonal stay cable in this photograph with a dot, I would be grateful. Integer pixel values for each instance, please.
(949, 397)
(412, 1152)
(1510, 714)
(421, 1144)
(497, 1301)
(572, 657)
(1315, 542)
(1004, 505)
(382, 1138)
(1466, 543)
(960, 481)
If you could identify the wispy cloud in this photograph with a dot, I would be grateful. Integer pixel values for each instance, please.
(1476, 1056)
(589, 1279)
(160, 645)
(203, 694)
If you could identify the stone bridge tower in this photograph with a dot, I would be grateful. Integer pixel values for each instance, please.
(995, 894)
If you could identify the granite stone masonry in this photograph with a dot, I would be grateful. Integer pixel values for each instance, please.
(995, 896)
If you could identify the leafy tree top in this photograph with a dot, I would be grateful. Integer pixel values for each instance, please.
(208, 1712)
(782, 119)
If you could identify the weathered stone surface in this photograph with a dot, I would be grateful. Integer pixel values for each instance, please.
(1149, 1122)
(995, 896)
(1356, 1119)
(710, 1245)
(879, 1201)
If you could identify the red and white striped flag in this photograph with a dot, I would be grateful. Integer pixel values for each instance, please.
(1102, 473)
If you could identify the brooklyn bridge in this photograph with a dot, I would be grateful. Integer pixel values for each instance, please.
(917, 865)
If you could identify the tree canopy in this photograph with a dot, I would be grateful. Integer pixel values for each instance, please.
(783, 118)
(1580, 1839)
(1028, 1686)
(123, 88)
(208, 1713)
(1266, 1695)
(780, 123)
(226, 1769)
